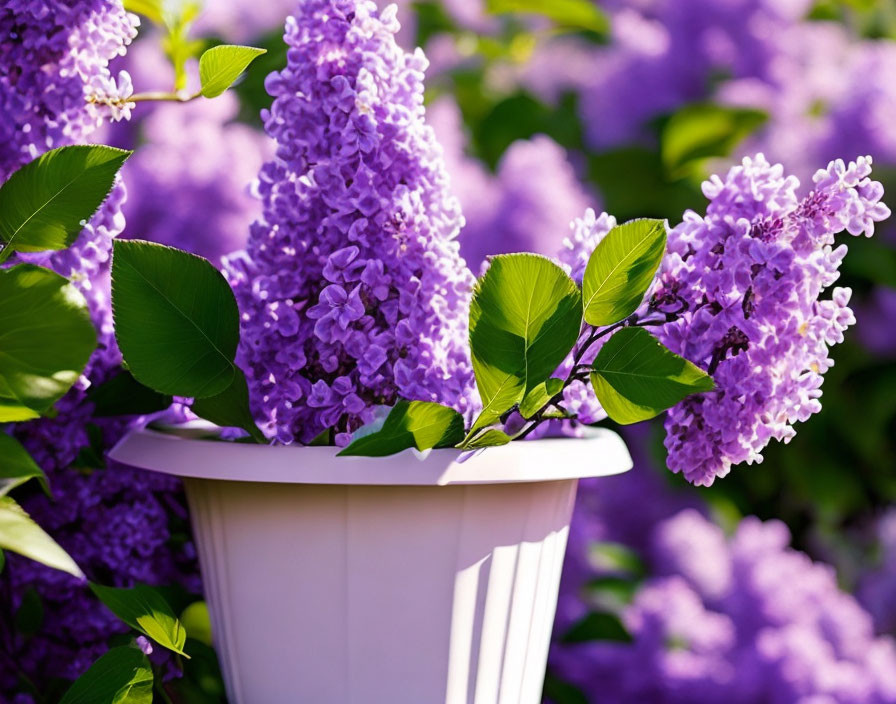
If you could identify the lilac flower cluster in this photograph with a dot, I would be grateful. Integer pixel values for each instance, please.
(351, 289)
(877, 587)
(737, 620)
(55, 55)
(751, 273)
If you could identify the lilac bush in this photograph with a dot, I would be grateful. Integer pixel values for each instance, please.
(114, 523)
(351, 288)
(740, 619)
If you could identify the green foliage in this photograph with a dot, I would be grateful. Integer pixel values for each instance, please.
(122, 675)
(539, 395)
(145, 610)
(17, 466)
(572, 14)
(702, 130)
(45, 203)
(176, 320)
(46, 338)
(123, 395)
(560, 692)
(489, 437)
(636, 378)
(598, 626)
(621, 269)
(230, 408)
(19, 533)
(420, 424)
(525, 317)
(221, 65)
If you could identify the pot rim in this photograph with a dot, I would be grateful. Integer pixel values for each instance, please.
(602, 453)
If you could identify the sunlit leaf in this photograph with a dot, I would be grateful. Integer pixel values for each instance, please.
(145, 610)
(636, 378)
(45, 204)
(46, 338)
(123, 675)
(525, 317)
(419, 424)
(221, 65)
(576, 14)
(19, 533)
(539, 396)
(621, 269)
(17, 466)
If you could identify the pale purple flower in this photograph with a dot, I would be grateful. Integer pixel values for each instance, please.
(354, 266)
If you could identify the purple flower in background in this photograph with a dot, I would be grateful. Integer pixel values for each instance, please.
(351, 288)
(739, 620)
(877, 587)
(525, 207)
(55, 54)
(189, 183)
(751, 273)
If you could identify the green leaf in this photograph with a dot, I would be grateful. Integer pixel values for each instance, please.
(19, 533)
(490, 437)
(176, 320)
(122, 675)
(559, 692)
(230, 408)
(145, 610)
(46, 338)
(636, 378)
(621, 269)
(17, 466)
(45, 204)
(221, 65)
(575, 14)
(197, 622)
(704, 130)
(419, 424)
(598, 625)
(539, 396)
(150, 9)
(123, 395)
(30, 614)
(525, 317)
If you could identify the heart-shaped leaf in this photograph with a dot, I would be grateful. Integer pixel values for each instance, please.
(19, 533)
(621, 269)
(176, 320)
(419, 424)
(45, 204)
(636, 378)
(122, 675)
(525, 317)
(145, 610)
(221, 65)
(46, 338)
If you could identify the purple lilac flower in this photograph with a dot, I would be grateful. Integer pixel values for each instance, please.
(55, 54)
(737, 620)
(877, 587)
(189, 183)
(352, 290)
(752, 272)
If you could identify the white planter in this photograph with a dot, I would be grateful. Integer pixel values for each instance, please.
(380, 580)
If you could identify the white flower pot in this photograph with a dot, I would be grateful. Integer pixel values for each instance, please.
(395, 580)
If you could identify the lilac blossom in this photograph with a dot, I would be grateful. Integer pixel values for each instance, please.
(351, 289)
(55, 55)
(877, 587)
(739, 620)
(752, 272)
